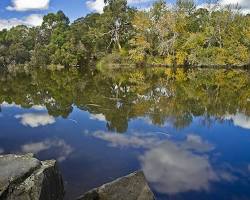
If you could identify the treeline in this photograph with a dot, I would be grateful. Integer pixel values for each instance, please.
(158, 94)
(180, 34)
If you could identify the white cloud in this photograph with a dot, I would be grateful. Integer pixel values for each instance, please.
(24, 5)
(35, 119)
(135, 141)
(9, 105)
(195, 142)
(14, 105)
(243, 4)
(148, 141)
(31, 20)
(34, 20)
(172, 169)
(139, 1)
(99, 117)
(64, 149)
(38, 107)
(240, 120)
(96, 5)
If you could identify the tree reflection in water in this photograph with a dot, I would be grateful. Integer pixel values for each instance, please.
(162, 95)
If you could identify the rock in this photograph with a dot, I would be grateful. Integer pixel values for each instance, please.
(131, 187)
(23, 177)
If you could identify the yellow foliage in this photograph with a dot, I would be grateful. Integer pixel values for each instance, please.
(136, 56)
(168, 60)
(168, 72)
(221, 56)
(180, 75)
(141, 21)
(137, 77)
(243, 53)
(181, 57)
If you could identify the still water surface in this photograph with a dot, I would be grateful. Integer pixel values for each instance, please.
(189, 131)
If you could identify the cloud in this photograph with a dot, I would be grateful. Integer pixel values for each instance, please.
(24, 5)
(139, 1)
(34, 20)
(9, 105)
(147, 141)
(38, 107)
(30, 21)
(99, 117)
(172, 169)
(96, 5)
(14, 105)
(35, 119)
(64, 150)
(240, 120)
(135, 141)
(243, 4)
(195, 142)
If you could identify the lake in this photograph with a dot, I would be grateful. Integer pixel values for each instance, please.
(188, 130)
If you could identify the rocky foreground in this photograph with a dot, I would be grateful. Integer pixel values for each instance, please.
(131, 187)
(23, 177)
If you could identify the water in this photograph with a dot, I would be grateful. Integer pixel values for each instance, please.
(188, 130)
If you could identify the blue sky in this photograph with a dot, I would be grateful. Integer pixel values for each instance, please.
(30, 12)
(72, 8)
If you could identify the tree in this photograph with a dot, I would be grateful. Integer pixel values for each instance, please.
(185, 6)
(117, 18)
(51, 36)
(181, 34)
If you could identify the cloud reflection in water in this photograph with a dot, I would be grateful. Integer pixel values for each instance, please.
(35, 119)
(64, 149)
(135, 141)
(240, 120)
(98, 117)
(172, 167)
(14, 105)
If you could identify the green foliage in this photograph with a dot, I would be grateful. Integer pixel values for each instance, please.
(186, 35)
(178, 35)
(159, 94)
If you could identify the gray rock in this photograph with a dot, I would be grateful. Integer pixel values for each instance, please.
(23, 177)
(131, 187)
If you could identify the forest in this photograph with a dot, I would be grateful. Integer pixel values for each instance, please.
(173, 35)
(159, 94)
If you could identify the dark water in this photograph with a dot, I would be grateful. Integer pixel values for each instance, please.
(188, 131)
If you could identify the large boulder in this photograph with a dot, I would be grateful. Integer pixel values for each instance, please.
(23, 177)
(131, 187)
